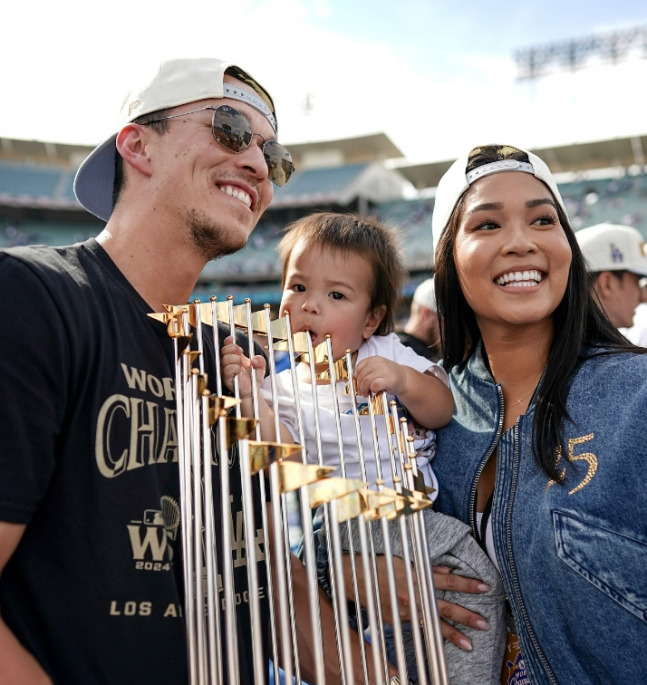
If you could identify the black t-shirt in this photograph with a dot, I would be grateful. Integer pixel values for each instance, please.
(88, 460)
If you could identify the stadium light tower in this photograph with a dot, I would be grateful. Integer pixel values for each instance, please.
(308, 105)
(537, 61)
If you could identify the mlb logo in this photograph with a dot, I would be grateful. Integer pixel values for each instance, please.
(617, 256)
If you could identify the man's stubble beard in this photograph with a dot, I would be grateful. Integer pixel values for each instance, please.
(212, 239)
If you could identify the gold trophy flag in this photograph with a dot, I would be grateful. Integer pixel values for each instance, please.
(294, 474)
(340, 370)
(299, 340)
(264, 453)
(332, 488)
(219, 405)
(352, 505)
(238, 428)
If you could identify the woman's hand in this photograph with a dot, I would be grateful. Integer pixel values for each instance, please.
(444, 579)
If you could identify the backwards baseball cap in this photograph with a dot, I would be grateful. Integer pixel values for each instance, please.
(457, 180)
(425, 294)
(612, 247)
(174, 82)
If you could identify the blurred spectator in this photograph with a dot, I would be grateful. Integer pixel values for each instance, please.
(616, 262)
(421, 331)
(638, 332)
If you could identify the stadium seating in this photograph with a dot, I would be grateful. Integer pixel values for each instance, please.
(255, 270)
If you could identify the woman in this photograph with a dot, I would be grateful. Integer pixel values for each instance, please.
(547, 449)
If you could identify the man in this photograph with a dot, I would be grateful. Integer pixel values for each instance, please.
(421, 331)
(616, 262)
(91, 586)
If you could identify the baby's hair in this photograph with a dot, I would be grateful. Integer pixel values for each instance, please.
(364, 236)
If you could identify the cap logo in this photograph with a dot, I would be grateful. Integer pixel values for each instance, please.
(617, 256)
(133, 106)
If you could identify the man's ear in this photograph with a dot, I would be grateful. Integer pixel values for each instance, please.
(605, 282)
(373, 320)
(132, 146)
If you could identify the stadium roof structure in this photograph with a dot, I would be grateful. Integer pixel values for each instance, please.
(39, 174)
(340, 185)
(368, 148)
(39, 152)
(576, 157)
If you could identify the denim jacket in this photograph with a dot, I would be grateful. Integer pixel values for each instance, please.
(573, 554)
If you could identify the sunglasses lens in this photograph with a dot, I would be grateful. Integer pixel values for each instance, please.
(279, 162)
(231, 128)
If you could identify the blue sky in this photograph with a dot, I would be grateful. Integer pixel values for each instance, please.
(435, 76)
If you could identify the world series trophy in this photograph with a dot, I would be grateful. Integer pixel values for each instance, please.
(356, 520)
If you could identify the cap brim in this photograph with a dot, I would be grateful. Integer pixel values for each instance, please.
(638, 272)
(94, 179)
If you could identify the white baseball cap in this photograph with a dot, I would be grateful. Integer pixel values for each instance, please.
(613, 247)
(457, 180)
(174, 82)
(425, 294)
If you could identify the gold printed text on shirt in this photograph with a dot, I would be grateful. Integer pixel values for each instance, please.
(588, 457)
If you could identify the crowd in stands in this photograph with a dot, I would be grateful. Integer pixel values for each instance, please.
(13, 233)
(621, 200)
(617, 200)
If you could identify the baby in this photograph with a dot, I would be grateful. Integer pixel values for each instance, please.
(342, 276)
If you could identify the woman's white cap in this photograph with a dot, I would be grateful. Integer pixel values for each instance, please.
(457, 180)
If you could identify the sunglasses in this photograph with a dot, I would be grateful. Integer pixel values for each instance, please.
(233, 130)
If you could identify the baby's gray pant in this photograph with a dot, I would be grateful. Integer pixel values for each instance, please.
(451, 544)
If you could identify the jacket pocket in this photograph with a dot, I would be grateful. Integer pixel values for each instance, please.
(613, 562)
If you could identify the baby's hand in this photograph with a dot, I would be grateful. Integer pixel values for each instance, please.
(233, 362)
(375, 374)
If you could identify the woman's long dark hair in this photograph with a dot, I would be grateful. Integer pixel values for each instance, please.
(578, 321)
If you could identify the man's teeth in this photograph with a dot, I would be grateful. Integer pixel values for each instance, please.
(238, 194)
(520, 278)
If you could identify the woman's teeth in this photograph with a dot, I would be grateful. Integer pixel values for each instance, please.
(520, 278)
